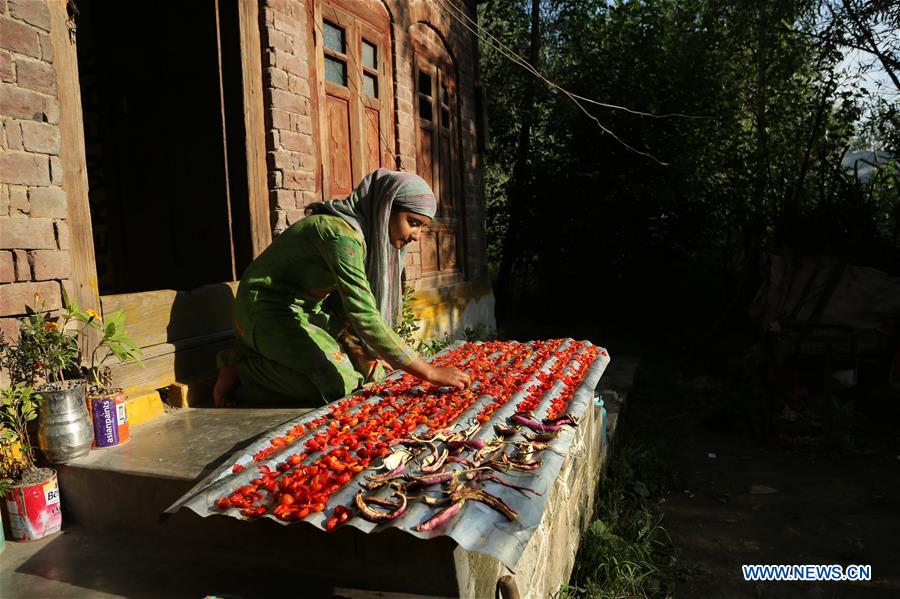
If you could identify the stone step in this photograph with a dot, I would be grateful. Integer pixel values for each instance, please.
(131, 484)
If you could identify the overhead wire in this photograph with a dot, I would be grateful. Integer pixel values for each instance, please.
(529, 67)
(512, 56)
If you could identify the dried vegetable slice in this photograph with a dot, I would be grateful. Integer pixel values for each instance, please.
(366, 426)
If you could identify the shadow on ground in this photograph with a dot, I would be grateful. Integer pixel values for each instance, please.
(750, 491)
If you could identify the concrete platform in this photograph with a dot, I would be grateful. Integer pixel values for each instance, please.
(130, 485)
(122, 492)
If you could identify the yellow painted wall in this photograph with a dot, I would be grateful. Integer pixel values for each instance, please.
(453, 308)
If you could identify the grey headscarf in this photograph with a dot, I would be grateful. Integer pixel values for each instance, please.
(368, 210)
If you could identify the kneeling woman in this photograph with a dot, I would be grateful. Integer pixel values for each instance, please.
(314, 312)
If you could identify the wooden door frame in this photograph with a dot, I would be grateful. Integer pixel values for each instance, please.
(84, 285)
(254, 125)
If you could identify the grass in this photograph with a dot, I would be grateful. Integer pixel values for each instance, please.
(626, 551)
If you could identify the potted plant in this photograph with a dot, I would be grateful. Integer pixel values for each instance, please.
(46, 353)
(107, 403)
(31, 494)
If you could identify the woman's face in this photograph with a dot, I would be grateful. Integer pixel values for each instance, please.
(405, 227)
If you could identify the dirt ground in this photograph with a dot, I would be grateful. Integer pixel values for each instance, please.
(746, 489)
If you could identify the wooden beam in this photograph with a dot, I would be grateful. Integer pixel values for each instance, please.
(84, 286)
(167, 363)
(254, 125)
(167, 316)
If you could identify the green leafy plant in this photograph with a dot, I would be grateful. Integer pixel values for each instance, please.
(626, 551)
(18, 407)
(409, 323)
(47, 348)
(479, 332)
(435, 345)
(114, 342)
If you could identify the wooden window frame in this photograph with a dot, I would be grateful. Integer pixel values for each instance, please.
(450, 215)
(359, 20)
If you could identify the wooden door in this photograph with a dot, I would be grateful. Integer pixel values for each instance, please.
(353, 59)
(180, 329)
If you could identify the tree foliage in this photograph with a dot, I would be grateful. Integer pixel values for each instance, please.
(752, 165)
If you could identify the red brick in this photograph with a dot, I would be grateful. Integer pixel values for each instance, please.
(18, 201)
(47, 202)
(62, 234)
(293, 215)
(301, 123)
(26, 234)
(9, 327)
(290, 102)
(46, 48)
(7, 268)
(19, 37)
(14, 135)
(281, 41)
(56, 171)
(268, 58)
(277, 78)
(276, 180)
(272, 142)
(51, 111)
(279, 5)
(279, 222)
(300, 86)
(33, 12)
(6, 66)
(308, 197)
(51, 264)
(299, 180)
(291, 64)
(404, 107)
(282, 198)
(268, 16)
(16, 296)
(287, 24)
(280, 119)
(23, 104)
(22, 264)
(280, 159)
(296, 142)
(308, 162)
(40, 137)
(24, 169)
(36, 75)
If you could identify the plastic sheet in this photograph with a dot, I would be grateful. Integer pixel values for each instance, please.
(477, 527)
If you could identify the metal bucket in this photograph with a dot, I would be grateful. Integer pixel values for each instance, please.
(109, 413)
(34, 508)
(65, 432)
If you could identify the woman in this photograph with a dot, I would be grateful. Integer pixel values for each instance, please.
(314, 312)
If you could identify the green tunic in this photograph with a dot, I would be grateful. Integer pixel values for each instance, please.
(289, 320)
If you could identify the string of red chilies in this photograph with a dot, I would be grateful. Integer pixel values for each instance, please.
(356, 437)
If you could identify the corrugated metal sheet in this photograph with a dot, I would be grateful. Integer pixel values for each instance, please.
(477, 527)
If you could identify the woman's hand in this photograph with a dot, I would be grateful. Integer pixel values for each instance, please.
(449, 377)
(444, 377)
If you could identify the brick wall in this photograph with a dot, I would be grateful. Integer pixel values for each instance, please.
(292, 133)
(290, 147)
(34, 237)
